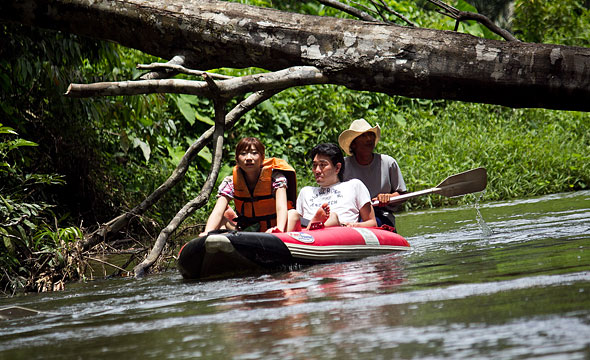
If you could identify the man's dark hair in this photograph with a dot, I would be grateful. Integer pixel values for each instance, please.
(333, 152)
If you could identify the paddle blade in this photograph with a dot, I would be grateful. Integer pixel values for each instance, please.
(464, 183)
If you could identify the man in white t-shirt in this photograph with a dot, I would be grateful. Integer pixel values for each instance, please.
(333, 202)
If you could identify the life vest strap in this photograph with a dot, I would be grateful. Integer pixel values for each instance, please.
(253, 198)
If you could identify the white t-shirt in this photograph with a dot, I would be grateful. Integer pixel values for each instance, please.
(345, 199)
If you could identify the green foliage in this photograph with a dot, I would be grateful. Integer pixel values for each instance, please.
(22, 239)
(527, 152)
(36, 67)
(564, 22)
(106, 154)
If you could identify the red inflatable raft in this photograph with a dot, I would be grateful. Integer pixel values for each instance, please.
(226, 254)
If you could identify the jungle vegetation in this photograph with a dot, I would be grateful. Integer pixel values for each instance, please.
(67, 164)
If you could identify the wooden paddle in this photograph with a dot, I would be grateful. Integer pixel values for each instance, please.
(455, 185)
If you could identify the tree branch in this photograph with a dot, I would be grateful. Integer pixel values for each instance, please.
(390, 10)
(363, 15)
(348, 9)
(213, 87)
(165, 72)
(182, 70)
(294, 76)
(396, 60)
(459, 15)
(113, 226)
(197, 202)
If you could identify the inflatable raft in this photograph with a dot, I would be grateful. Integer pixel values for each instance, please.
(227, 254)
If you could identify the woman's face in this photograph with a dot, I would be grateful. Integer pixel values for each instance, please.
(250, 159)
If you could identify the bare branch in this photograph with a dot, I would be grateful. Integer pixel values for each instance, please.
(295, 76)
(451, 11)
(364, 15)
(401, 16)
(182, 70)
(212, 86)
(459, 15)
(165, 73)
(361, 6)
(378, 10)
(348, 9)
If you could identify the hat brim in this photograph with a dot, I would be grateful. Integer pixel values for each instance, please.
(347, 137)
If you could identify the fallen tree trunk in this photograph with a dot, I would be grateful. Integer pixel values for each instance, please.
(361, 55)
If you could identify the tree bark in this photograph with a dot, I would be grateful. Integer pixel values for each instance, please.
(361, 55)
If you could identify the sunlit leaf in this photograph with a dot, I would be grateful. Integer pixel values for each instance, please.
(145, 148)
(205, 119)
(206, 154)
(21, 142)
(186, 110)
(7, 130)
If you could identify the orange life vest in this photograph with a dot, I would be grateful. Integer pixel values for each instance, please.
(260, 205)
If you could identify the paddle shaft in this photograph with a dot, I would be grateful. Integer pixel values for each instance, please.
(404, 197)
(455, 185)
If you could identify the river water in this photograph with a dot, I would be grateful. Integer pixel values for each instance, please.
(516, 286)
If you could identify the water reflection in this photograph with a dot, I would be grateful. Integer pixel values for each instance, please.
(521, 292)
(301, 295)
(326, 282)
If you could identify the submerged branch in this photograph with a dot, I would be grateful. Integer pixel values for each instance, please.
(106, 263)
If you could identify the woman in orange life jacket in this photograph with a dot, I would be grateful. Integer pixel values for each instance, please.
(263, 190)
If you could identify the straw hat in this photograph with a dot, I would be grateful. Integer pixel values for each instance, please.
(357, 128)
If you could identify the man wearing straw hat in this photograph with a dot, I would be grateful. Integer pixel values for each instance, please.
(379, 172)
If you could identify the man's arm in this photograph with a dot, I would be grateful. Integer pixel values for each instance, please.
(367, 213)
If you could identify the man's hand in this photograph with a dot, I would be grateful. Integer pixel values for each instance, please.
(385, 198)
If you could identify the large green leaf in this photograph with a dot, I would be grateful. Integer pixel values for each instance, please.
(189, 106)
(186, 109)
